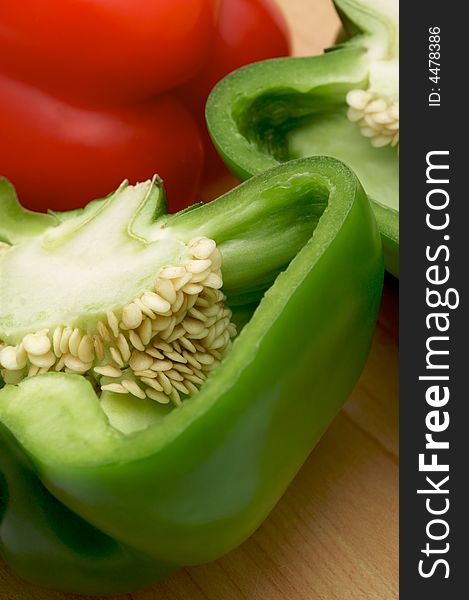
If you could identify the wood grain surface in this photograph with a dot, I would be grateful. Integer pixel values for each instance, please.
(333, 536)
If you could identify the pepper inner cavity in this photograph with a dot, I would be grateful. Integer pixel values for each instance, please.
(161, 345)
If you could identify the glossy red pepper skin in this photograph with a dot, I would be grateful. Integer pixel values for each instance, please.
(102, 51)
(59, 154)
(93, 91)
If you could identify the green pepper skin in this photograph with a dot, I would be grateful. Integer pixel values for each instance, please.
(252, 114)
(196, 484)
(51, 546)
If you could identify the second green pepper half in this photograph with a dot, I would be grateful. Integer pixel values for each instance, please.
(344, 103)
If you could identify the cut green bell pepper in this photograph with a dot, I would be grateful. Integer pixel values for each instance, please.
(276, 110)
(95, 501)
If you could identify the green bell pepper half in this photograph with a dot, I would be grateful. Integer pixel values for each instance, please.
(276, 110)
(91, 506)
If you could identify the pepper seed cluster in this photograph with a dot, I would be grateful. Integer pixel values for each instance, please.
(377, 118)
(161, 345)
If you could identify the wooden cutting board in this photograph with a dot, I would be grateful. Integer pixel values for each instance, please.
(333, 536)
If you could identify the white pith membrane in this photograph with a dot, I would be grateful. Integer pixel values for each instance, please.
(377, 117)
(161, 345)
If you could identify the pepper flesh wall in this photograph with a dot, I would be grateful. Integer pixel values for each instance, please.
(344, 103)
(104, 492)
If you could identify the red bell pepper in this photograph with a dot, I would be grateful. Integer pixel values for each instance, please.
(91, 90)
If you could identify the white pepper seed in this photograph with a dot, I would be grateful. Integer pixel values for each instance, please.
(56, 337)
(203, 358)
(108, 371)
(8, 359)
(193, 326)
(113, 323)
(192, 288)
(43, 360)
(180, 282)
(381, 140)
(201, 302)
(145, 332)
(176, 357)
(178, 385)
(182, 368)
(86, 349)
(155, 302)
(160, 324)
(195, 379)
(154, 352)
(358, 99)
(383, 118)
(200, 277)
(162, 345)
(116, 357)
(161, 365)
(187, 344)
(174, 375)
(198, 336)
(172, 272)
(165, 289)
(177, 304)
(169, 330)
(145, 310)
(133, 388)
(74, 342)
(165, 382)
(147, 373)
(117, 388)
(132, 315)
(197, 314)
(202, 248)
(37, 343)
(65, 339)
(354, 114)
(75, 365)
(153, 383)
(98, 347)
(123, 347)
(191, 301)
(178, 332)
(376, 106)
(140, 361)
(191, 360)
(213, 281)
(197, 266)
(158, 396)
(136, 341)
(174, 395)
